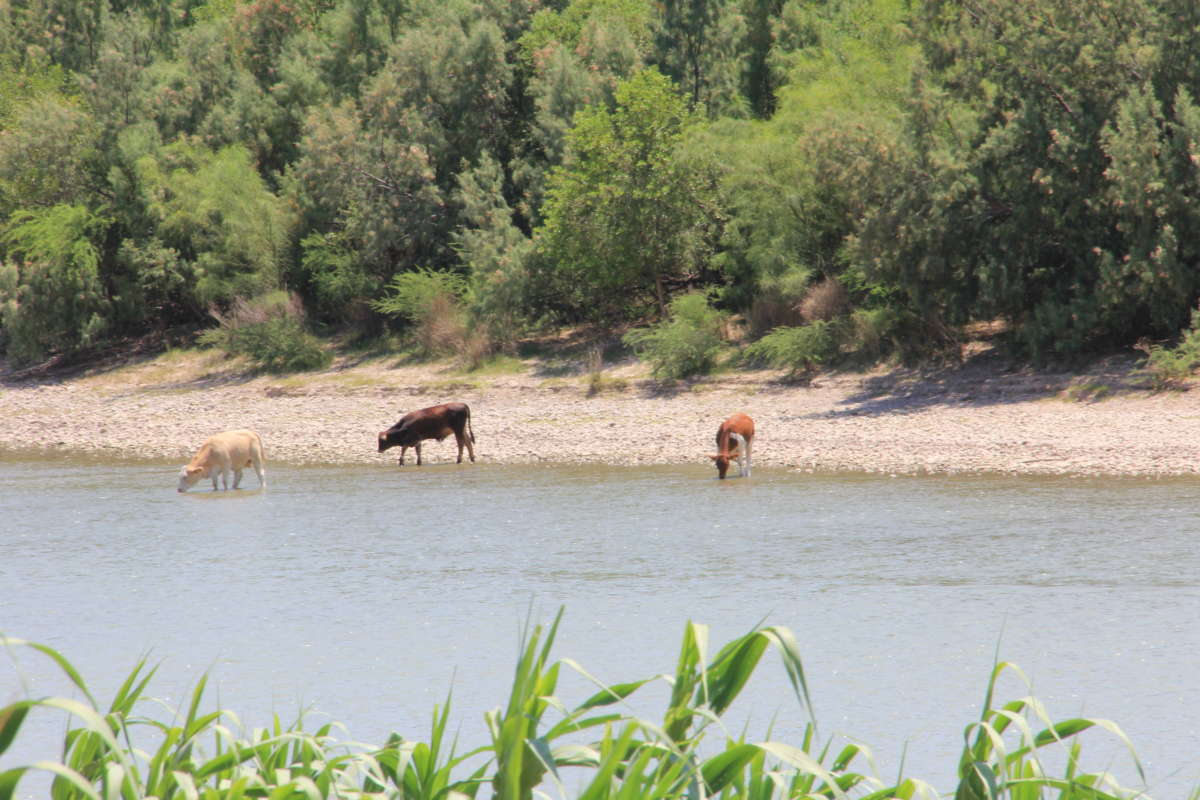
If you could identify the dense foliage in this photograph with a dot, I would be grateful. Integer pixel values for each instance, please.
(587, 160)
(538, 745)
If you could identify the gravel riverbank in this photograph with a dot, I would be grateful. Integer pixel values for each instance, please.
(966, 419)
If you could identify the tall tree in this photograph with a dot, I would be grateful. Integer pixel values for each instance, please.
(1004, 203)
(51, 295)
(624, 214)
(215, 210)
(701, 45)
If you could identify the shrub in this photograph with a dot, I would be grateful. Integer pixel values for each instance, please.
(823, 301)
(1172, 365)
(686, 343)
(880, 332)
(52, 298)
(413, 294)
(777, 301)
(433, 302)
(268, 330)
(800, 348)
(338, 280)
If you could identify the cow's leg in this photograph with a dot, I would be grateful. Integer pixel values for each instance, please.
(237, 477)
(260, 472)
(739, 452)
(470, 448)
(403, 448)
(458, 439)
(748, 442)
(417, 447)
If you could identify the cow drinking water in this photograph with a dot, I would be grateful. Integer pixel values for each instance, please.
(435, 422)
(231, 451)
(733, 441)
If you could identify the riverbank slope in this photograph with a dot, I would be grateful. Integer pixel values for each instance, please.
(984, 416)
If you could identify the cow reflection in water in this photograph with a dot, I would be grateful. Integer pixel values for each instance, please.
(435, 422)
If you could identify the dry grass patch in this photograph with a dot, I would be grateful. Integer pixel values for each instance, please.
(169, 369)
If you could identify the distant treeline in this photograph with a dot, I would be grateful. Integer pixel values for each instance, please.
(850, 175)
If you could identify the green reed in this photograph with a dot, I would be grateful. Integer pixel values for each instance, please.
(535, 738)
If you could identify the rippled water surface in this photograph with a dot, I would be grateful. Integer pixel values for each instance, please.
(365, 594)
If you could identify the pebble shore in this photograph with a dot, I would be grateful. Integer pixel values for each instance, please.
(960, 420)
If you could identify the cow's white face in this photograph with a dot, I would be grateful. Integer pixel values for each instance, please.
(188, 477)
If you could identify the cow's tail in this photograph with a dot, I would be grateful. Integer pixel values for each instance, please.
(470, 430)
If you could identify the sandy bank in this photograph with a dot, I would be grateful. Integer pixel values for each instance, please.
(966, 419)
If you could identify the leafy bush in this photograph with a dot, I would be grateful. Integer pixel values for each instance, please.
(1172, 365)
(52, 298)
(824, 300)
(215, 208)
(880, 332)
(270, 331)
(433, 302)
(686, 343)
(504, 296)
(340, 283)
(777, 301)
(415, 294)
(800, 348)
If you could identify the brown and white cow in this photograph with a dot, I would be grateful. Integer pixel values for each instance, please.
(231, 451)
(733, 441)
(435, 422)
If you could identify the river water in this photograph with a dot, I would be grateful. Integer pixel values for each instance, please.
(365, 594)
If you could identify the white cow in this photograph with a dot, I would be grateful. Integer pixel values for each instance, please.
(231, 451)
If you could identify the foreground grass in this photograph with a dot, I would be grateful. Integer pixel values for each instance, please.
(118, 754)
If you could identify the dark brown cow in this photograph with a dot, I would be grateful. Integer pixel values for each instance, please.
(435, 422)
(734, 437)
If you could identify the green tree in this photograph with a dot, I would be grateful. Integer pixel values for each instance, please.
(25, 80)
(795, 187)
(503, 296)
(375, 189)
(573, 58)
(339, 284)
(624, 214)
(116, 86)
(51, 295)
(444, 88)
(48, 156)
(187, 88)
(215, 210)
(1033, 180)
(701, 44)
(67, 31)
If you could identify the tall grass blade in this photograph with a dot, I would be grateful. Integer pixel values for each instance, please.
(9, 779)
(798, 759)
(721, 770)
(11, 717)
(69, 776)
(62, 663)
(634, 759)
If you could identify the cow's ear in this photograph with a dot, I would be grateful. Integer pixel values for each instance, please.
(195, 470)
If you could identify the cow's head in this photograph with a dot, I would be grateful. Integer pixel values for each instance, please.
(394, 437)
(722, 462)
(188, 477)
